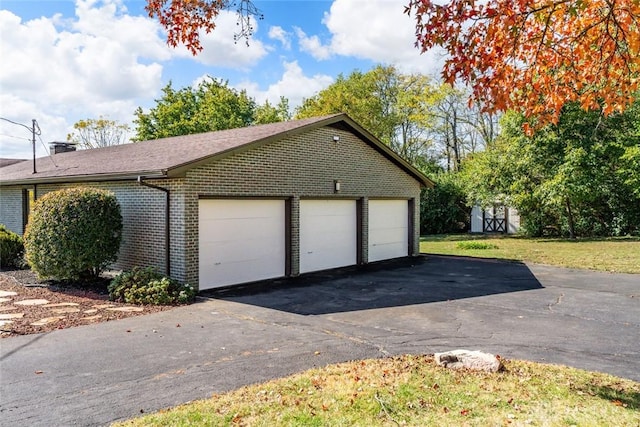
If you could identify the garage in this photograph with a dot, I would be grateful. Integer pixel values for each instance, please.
(388, 229)
(328, 234)
(241, 241)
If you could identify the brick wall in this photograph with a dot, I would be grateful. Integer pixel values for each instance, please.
(142, 212)
(297, 167)
(11, 208)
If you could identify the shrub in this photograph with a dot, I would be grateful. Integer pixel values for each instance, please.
(73, 234)
(443, 208)
(147, 286)
(11, 248)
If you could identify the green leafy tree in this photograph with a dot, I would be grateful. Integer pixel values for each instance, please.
(73, 233)
(98, 133)
(210, 106)
(267, 113)
(394, 107)
(443, 208)
(578, 177)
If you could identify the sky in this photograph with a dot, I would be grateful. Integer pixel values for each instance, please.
(62, 61)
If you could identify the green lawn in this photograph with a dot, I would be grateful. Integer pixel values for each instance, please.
(413, 391)
(621, 255)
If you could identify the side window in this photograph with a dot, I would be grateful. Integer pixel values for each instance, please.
(28, 199)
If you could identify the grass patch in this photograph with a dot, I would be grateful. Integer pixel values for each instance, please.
(475, 245)
(620, 255)
(412, 390)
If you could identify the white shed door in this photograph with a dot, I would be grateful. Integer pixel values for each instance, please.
(328, 234)
(388, 229)
(241, 241)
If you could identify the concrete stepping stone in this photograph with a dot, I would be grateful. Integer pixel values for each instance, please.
(32, 302)
(47, 320)
(126, 309)
(97, 316)
(5, 322)
(5, 300)
(103, 306)
(8, 308)
(8, 294)
(7, 316)
(65, 310)
(62, 304)
(91, 311)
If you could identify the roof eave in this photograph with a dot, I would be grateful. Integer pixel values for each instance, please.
(181, 169)
(124, 176)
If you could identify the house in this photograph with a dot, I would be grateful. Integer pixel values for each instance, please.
(241, 205)
(495, 219)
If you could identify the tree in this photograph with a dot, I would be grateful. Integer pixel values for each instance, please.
(394, 107)
(210, 106)
(443, 208)
(183, 19)
(98, 133)
(460, 130)
(534, 56)
(578, 177)
(267, 113)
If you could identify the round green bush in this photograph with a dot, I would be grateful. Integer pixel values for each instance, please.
(147, 286)
(73, 234)
(11, 248)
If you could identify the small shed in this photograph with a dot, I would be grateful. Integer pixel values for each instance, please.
(241, 205)
(495, 219)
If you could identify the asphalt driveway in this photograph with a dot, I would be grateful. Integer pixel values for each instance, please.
(96, 374)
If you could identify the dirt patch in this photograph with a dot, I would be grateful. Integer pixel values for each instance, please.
(31, 306)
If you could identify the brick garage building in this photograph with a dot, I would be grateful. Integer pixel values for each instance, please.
(240, 205)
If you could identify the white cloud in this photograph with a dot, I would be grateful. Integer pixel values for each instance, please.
(279, 34)
(100, 63)
(293, 85)
(376, 30)
(220, 49)
(312, 45)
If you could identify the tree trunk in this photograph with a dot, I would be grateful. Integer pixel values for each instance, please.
(572, 228)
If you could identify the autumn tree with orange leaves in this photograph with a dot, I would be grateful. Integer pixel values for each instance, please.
(534, 56)
(183, 19)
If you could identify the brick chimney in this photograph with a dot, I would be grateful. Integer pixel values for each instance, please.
(61, 147)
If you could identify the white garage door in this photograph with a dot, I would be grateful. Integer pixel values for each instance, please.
(388, 229)
(328, 234)
(241, 241)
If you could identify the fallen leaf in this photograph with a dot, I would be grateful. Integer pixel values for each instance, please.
(464, 412)
(178, 325)
(39, 372)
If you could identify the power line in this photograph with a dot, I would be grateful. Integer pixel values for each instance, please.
(50, 156)
(16, 137)
(32, 129)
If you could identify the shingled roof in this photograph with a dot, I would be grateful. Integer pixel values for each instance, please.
(172, 157)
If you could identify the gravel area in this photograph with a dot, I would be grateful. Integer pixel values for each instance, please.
(32, 306)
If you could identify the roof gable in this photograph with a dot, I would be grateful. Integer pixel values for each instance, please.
(172, 157)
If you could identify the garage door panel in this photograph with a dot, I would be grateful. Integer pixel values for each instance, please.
(328, 234)
(241, 241)
(388, 229)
